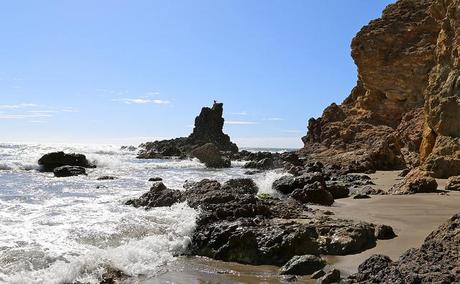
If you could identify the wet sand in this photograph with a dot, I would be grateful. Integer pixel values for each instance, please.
(412, 217)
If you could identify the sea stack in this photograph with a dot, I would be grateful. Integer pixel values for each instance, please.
(208, 129)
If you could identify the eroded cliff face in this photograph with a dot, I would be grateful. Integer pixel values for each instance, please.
(404, 110)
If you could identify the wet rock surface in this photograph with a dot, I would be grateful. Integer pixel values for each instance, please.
(236, 225)
(50, 161)
(210, 155)
(436, 261)
(68, 171)
(302, 265)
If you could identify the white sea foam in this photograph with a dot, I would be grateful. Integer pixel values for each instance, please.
(56, 230)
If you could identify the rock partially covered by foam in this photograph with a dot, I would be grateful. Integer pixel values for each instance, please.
(54, 160)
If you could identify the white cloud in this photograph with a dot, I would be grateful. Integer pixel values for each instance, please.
(274, 119)
(239, 113)
(239, 122)
(34, 112)
(16, 106)
(24, 116)
(142, 101)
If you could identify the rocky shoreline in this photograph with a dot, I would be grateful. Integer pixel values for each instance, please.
(403, 114)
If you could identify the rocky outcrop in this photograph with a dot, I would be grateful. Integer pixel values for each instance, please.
(236, 225)
(436, 261)
(405, 109)
(50, 161)
(208, 129)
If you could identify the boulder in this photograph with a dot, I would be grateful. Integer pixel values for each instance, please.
(243, 185)
(287, 184)
(68, 171)
(453, 183)
(155, 179)
(53, 160)
(332, 276)
(313, 193)
(158, 196)
(417, 181)
(302, 265)
(337, 189)
(210, 155)
(384, 232)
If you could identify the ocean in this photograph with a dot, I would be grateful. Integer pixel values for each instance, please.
(60, 230)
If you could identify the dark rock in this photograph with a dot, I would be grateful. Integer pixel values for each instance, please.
(302, 265)
(313, 193)
(208, 129)
(251, 173)
(369, 190)
(404, 172)
(384, 232)
(155, 179)
(453, 183)
(337, 189)
(158, 196)
(332, 276)
(68, 171)
(436, 261)
(242, 185)
(54, 160)
(209, 126)
(288, 184)
(106, 178)
(210, 155)
(361, 196)
(416, 181)
(285, 184)
(318, 274)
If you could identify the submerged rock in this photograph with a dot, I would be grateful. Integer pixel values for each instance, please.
(50, 161)
(68, 171)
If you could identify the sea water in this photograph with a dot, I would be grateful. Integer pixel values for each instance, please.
(60, 230)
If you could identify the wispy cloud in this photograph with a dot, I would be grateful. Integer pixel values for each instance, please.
(239, 122)
(142, 101)
(239, 113)
(33, 112)
(274, 119)
(17, 106)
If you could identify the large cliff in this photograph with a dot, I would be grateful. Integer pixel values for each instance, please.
(405, 108)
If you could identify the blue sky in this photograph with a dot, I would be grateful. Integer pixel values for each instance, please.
(130, 71)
